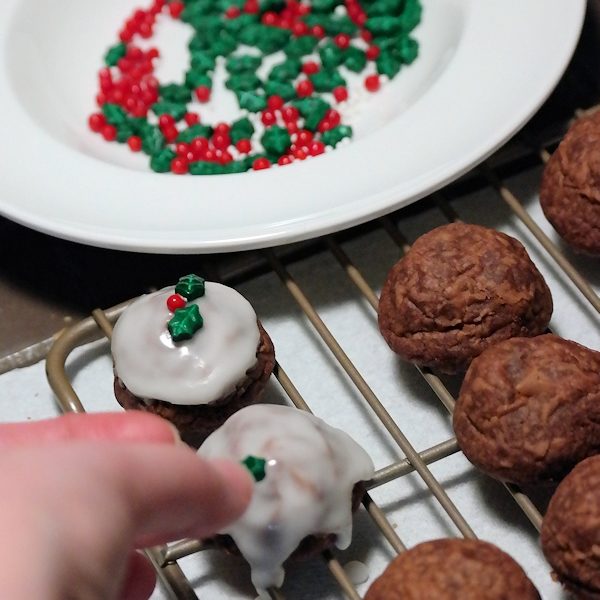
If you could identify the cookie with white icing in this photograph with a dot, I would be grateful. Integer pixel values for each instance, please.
(193, 354)
(309, 480)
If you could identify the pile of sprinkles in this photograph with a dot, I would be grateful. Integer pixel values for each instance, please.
(287, 115)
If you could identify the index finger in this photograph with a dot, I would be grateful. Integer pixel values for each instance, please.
(132, 426)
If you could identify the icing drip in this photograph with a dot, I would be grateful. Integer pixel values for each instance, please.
(195, 371)
(311, 470)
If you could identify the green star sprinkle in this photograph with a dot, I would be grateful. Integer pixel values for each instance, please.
(256, 466)
(185, 322)
(190, 287)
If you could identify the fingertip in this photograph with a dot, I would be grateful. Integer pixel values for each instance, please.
(238, 485)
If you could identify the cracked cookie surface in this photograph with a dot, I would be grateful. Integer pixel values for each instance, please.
(458, 290)
(529, 409)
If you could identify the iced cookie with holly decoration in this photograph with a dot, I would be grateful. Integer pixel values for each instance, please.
(193, 354)
(309, 480)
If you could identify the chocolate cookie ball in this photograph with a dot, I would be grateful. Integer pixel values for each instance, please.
(529, 409)
(571, 530)
(453, 569)
(460, 289)
(570, 190)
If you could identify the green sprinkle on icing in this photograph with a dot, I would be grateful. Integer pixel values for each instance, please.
(190, 287)
(256, 466)
(185, 322)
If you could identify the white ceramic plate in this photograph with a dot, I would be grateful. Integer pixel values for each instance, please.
(485, 66)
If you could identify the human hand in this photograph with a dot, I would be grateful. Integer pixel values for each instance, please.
(78, 495)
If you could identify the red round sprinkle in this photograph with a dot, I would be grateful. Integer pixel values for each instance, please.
(261, 163)
(145, 30)
(135, 143)
(342, 40)
(360, 19)
(373, 52)
(270, 18)
(366, 35)
(268, 118)
(324, 125)
(179, 166)
(191, 118)
(340, 93)
(233, 12)
(286, 159)
(225, 157)
(310, 67)
(198, 146)
(244, 146)
(304, 137)
(165, 121)
(109, 133)
(290, 114)
(203, 93)
(372, 83)
(299, 153)
(316, 147)
(221, 140)
(222, 128)
(96, 122)
(304, 88)
(170, 133)
(292, 127)
(175, 301)
(303, 9)
(318, 31)
(126, 34)
(176, 8)
(300, 28)
(157, 6)
(153, 53)
(251, 7)
(333, 116)
(181, 149)
(275, 102)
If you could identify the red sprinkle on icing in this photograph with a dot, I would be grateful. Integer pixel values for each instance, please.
(175, 301)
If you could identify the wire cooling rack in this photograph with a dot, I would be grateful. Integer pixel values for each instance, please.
(492, 175)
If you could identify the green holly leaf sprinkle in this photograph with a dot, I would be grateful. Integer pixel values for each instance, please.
(190, 287)
(276, 140)
(256, 466)
(114, 54)
(114, 114)
(185, 322)
(161, 160)
(334, 136)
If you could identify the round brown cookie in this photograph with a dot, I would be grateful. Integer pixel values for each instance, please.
(529, 409)
(571, 530)
(570, 190)
(453, 569)
(196, 422)
(460, 289)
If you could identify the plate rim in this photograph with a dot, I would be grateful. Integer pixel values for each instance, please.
(273, 234)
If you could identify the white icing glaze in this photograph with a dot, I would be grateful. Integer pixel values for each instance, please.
(196, 371)
(311, 470)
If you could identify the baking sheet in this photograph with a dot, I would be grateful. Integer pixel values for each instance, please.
(407, 502)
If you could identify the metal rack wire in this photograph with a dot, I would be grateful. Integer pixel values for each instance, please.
(100, 323)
